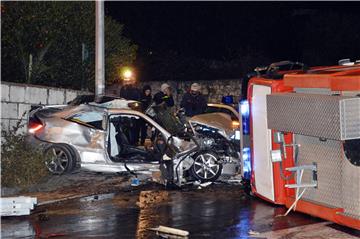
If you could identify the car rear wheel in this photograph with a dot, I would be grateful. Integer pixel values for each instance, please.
(58, 159)
(206, 167)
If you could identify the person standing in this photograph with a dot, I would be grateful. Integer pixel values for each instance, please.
(146, 100)
(164, 96)
(194, 102)
(130, 92)
(164, 110)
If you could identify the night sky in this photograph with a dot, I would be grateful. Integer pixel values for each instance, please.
(215, 30)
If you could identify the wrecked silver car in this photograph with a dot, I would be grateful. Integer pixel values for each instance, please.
(95, 137)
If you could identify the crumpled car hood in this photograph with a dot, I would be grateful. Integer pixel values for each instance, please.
(219, 121)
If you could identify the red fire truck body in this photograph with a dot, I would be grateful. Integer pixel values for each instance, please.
(305, 141)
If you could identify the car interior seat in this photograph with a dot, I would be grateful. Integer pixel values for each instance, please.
(125, 149)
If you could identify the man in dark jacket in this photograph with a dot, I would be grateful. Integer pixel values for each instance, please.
(146, 100)
(146, 97)
(130, 92)
(193, 102)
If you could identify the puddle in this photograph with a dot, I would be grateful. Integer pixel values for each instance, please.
(216, 211)
(17, 228)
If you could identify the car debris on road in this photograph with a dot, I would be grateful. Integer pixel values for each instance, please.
(171, 232)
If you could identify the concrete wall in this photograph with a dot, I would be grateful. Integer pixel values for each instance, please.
(16, 100)
(213, 90)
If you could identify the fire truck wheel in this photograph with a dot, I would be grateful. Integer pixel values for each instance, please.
(206, 167)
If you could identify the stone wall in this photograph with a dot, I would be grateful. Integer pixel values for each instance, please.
(213, 90)
(16, 100)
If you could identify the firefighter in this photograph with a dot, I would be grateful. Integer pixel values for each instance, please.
(164, 96)
(164, 103)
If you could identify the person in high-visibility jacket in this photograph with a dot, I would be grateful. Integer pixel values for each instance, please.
(164, 96)
(164, 109)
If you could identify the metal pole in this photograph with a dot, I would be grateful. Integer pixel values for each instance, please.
(30, 68)
(100, 49)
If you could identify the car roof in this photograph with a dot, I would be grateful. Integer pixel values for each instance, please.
(87, 98)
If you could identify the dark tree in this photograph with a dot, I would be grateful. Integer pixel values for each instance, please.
(53, 43)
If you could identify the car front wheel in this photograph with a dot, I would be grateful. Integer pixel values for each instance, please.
(206, 167)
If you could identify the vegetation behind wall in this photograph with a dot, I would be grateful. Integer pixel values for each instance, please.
(21, 164)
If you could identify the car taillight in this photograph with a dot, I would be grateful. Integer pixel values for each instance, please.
(35, 128)
(135, 106)
(34, 125)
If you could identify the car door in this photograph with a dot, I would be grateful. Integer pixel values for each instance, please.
(88, 135)
(120, 126)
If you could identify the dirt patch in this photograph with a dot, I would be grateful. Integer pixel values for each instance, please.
(76, 185)
(150, 198)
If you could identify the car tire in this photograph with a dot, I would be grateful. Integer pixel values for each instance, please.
(206, 166)
(75, 159)
(59, 159)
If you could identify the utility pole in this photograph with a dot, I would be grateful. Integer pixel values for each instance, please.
(100, 49)
(30, 68)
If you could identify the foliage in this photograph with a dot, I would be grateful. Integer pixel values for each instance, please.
(21, 164)
(55, 33)
(117, 54)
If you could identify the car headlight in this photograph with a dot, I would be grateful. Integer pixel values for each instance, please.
(209, 141)
(135, 106)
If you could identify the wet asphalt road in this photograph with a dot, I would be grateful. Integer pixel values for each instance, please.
(219, 211)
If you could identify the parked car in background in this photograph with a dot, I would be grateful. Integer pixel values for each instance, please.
(227, 109)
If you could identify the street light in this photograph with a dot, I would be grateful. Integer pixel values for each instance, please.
(127, 74)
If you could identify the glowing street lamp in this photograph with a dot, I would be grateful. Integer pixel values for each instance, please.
(127, 74)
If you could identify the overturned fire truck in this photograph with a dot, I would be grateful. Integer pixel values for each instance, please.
(304, 144)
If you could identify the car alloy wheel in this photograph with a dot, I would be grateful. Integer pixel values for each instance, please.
(206, 167)
(57, 159)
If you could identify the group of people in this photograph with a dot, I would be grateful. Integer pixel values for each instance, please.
(193, 103)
